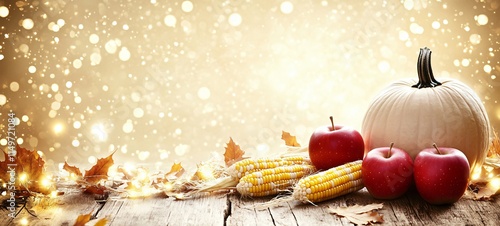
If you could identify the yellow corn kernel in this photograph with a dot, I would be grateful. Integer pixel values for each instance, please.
(329, 184)
(272, 181)
(247, 166)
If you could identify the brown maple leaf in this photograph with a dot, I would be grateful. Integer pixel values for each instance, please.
(360, 214)
(175, 172)
(82, 219)
(26, 164)
(95, 189)
(486, 185)
(101, 222)
(72, 169)
(7, 166)
(289, 139)
(99, 171)
(233, 153)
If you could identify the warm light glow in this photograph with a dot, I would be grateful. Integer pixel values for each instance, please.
(73, 177)
(142, 174)
(476, 174)
(112, 171)
(175, 83)
(206, 172)
(142, 192)
(179, 196)
(46, 182)
(58, 128)
(53, 194)
(168, 186)
(4, 11)
(24, 221)
(99, 131)
(23, 177)
(128, 167)
(494, 183)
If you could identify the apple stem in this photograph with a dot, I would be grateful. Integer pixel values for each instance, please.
(436, 147)
(331, 120)
(390, 149)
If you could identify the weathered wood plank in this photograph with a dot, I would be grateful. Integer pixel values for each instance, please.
(62, 210)
(242, 212)
(156, 210)
(465, 211)
(286, 213)
(407, 210)
(307, 214)
(233, 209)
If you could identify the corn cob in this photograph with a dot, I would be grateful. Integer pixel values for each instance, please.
(329, 184)
(247, 166)
(272, 181)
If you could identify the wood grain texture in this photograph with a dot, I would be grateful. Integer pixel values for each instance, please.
(159, 210)
(62, 210)
(232, 209)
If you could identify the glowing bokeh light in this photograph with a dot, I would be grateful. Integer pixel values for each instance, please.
(58, 128)
(173, 80)
(99, 132)
(4, 11)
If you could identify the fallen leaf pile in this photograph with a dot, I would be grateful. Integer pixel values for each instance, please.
(139, 182)
(360, 214)
(487, 184)
(90, 180)
(209, 176)
(28, 170)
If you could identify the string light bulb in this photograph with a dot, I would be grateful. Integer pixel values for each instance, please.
(23, 177)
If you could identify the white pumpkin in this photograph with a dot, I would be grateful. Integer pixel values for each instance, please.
(414, 114)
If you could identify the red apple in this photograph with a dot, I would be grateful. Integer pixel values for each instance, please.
(334, 145)
(441, 174)
(387, 172)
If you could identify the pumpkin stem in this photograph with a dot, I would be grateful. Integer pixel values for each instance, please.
(390, 149)
(425, 76)
(331, 120)
(436, 147)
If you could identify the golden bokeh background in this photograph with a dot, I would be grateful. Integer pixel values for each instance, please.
(171, 81)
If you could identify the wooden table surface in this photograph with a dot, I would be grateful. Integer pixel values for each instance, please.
(232, 209)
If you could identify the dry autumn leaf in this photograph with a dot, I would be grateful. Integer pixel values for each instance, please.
(484, 190)
(99, 171)
(101, 222)
(93, 176)
(233, 153)
(175, 172)
(205, 172)
(494, 150)
(82, 219)
(72, 170)
(487, 183)
(289, 139)
(27, 164)
(360, 214)
(95, 189)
